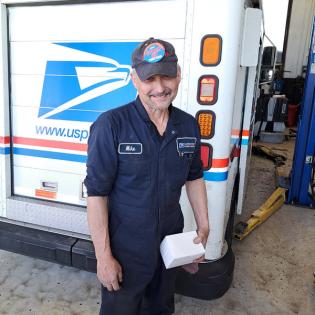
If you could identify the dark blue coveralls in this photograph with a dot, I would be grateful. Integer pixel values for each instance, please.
(142, 174)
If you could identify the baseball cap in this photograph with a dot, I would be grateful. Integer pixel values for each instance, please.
(154, 56)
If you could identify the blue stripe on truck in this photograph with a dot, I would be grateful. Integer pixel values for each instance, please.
(4, 150)
(51, 155)
(215, 176)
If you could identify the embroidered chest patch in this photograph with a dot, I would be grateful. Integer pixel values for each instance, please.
(186, 145)
(130, 148)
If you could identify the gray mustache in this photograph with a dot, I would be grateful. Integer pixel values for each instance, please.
(165, 93)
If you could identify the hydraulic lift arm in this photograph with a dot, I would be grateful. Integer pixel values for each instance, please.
(273, 203)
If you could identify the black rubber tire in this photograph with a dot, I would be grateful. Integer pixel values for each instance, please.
(211, 281)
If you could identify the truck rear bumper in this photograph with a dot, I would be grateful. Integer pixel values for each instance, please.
(65, 250)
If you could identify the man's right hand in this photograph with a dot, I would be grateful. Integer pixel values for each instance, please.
(109, 272)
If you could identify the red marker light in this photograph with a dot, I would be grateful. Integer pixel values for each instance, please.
(206, 156)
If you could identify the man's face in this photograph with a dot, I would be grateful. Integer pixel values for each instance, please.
(158, 91)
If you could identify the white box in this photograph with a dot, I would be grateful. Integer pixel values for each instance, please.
(180, 249)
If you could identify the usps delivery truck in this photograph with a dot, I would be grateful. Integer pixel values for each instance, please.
(63, 63)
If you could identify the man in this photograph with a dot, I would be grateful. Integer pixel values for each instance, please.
(139, 157)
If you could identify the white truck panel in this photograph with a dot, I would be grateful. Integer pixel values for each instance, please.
(68, 186)
(229, 25)
(250, 41)
(141, 19)
(30, 56)
(34, 130)
(11, 2)
(37, 143)
(25, 89)
(246, 142)
(5, 176)
(227, 70)
(48, 164)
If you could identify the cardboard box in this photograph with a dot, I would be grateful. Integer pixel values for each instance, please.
(180, 249)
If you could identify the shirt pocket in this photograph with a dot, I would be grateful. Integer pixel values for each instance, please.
(134, 170)
(181, 170)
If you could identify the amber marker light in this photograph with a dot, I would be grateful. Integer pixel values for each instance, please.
(206, 121)
(211, 49)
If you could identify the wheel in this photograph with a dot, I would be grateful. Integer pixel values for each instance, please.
(211, 281)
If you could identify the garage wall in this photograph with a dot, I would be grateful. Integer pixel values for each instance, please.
(299, 37)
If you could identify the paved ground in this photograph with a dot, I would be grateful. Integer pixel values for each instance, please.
(273, 272)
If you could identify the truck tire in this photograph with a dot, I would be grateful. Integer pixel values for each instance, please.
(211, 281)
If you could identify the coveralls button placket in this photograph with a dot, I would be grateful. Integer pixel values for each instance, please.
(170, 134)
(158, 180)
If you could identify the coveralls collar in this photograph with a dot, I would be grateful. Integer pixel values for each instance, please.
(144, 115)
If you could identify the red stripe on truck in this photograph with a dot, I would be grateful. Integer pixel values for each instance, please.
(5, 140)
(51, 143)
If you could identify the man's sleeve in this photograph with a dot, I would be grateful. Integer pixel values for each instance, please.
(102, 158)
(196, 168)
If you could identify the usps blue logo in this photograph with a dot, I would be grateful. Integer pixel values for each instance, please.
(96, 79)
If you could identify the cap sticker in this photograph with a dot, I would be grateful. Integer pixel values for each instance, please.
(154, 52)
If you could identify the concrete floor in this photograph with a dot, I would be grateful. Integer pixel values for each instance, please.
(273, 271)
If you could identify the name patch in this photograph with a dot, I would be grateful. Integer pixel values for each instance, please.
(130, 148)
(186, 145)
